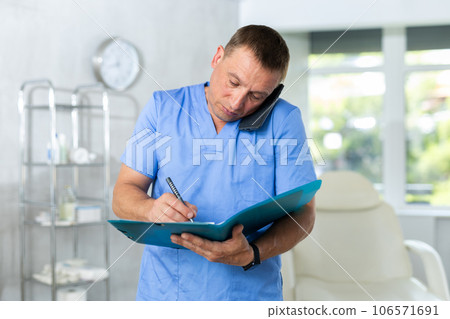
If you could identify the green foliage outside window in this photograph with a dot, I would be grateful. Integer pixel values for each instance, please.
(428, 131)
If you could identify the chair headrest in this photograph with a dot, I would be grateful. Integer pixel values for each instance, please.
(346, 190)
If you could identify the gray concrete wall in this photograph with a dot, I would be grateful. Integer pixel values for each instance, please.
(56, 40)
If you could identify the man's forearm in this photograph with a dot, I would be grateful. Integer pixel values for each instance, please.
(286, 232)
(130, 202)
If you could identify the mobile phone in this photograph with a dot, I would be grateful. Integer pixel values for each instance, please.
(255, 120)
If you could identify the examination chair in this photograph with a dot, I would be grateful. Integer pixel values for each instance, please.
(356, 250)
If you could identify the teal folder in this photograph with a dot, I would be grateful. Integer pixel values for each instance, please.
(253, 218)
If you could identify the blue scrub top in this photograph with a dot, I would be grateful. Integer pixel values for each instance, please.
(221, 174)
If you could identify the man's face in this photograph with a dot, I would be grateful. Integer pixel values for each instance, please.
(238, 85)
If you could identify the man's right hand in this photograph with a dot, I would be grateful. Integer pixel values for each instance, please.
(168, 208)
(130, 200)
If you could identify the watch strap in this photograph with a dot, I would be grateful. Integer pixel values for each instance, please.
(256, 258)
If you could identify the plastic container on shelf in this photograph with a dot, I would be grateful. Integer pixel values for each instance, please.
(67, 204)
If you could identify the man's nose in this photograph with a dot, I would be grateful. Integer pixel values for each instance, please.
(238, 100)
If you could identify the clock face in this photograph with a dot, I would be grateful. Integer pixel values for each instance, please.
(117, 64)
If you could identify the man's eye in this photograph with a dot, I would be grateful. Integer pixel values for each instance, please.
(255, 97)
(234, 83)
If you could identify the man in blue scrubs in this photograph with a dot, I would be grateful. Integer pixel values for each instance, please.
(192, 135)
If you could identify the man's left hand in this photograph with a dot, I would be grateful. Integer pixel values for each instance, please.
(234, 251)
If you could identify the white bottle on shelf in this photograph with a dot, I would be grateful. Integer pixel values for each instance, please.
(67, 203)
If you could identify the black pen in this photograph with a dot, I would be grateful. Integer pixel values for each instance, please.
(176, 193)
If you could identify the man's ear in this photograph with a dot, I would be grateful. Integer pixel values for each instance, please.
(218, 56)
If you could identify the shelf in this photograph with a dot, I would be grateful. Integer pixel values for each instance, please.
(66, 114)
(88, 200)
(37, 203)
(64, 224)
(47, 281)
(81, 199)
(70, 284)
(44, 164)
(66, 107)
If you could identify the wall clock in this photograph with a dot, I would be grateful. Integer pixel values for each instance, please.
(116, 63)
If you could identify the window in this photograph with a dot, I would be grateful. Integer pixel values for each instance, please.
(346, 91)
(427, 94)
(355, 48)
(348, 115)
(428, 45)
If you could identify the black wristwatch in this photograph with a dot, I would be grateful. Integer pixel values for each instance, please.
(256, 259)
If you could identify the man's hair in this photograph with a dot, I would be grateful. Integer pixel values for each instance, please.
(269, 47)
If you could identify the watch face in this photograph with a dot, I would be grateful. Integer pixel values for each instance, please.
(117, 64)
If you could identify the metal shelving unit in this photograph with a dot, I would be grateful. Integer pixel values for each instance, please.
(26, 109)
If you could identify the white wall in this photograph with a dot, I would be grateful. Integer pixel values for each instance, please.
(55, 40)
(306, 15)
